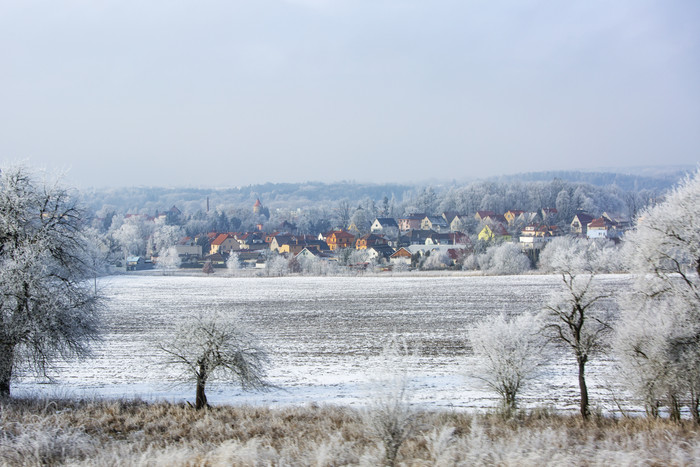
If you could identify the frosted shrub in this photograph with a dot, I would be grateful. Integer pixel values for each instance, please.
(580, 255)
(168, 259)
(42, 445)
(508, 354)
(506, 258)
(471, 263)
(233, 263)
(436, 260)
(389, 415)
(440, 443)
(276, 265)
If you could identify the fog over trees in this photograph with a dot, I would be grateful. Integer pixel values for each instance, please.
(312, 205)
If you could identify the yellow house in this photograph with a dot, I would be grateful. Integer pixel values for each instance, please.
(512, 215)
(224, 243)
(340, 239)
(495, 232)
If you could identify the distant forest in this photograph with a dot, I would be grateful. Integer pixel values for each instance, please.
(569, 191)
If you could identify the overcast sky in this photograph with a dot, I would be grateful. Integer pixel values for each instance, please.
(225, 92)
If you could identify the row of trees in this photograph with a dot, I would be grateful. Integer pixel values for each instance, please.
(656, 340)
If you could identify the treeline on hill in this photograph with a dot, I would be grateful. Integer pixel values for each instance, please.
(321, 206)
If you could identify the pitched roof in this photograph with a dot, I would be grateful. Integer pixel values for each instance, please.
(436, 220)
(449, 216)
(500, 218)
(341, 234)
(401, 252)
(384, 250)
(600, 222)
(416, 216)
(583, 218)
(387, 221)
(220, 239)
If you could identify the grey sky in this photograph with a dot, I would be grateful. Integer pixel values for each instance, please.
(221, 93)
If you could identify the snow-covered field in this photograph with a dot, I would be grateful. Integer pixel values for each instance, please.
(324, 336)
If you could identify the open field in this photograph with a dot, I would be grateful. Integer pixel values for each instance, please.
(324, 335)
(61, 432)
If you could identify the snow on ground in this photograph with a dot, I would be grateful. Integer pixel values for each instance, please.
(324, 336)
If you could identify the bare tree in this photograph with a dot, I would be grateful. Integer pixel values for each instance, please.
(508, 353)
(343, 212)
(214, 347)
(47, 307)
(578, 322)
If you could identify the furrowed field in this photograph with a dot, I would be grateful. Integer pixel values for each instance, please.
(324, 336)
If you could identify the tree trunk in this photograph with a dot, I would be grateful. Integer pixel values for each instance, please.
(694, 406)
(201, 398)
(582, 386)
(674, 408)
(7, 357)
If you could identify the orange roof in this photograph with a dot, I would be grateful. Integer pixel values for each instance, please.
(220, 239)
(402, 252)
(599, 222)
(342, 234)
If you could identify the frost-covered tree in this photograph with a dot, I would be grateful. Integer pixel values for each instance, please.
(666, 244)
(578, 321)
(506, 258)
(276, 265)
(215, 347)
(362, 219)
(47, 309)
(580, 255)
(427, 201)
(508, 353)
(342, 213)
(165, 236)
(233, 263)
(664, 251)
(169, 259)
(657, 347)
(437, 259)
(132, 235)
(97, 252)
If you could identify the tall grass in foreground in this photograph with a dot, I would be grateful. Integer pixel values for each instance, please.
(64, 432)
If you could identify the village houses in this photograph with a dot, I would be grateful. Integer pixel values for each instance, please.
(389, 240)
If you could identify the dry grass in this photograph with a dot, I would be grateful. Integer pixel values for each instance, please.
(64, 432)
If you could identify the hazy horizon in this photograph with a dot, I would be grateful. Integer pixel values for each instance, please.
(238, 93)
